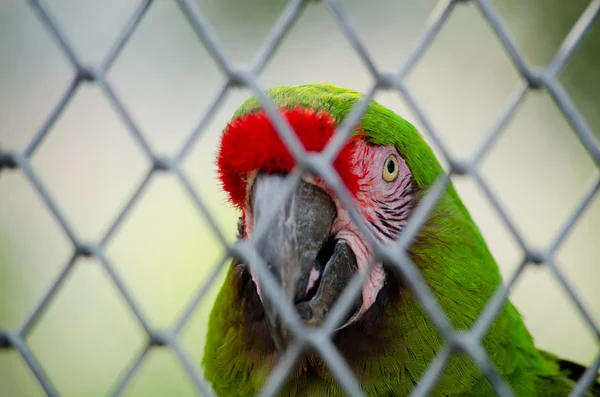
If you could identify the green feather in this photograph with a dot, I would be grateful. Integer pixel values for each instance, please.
(452, 257)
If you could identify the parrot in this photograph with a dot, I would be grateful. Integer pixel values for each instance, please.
(313, 248)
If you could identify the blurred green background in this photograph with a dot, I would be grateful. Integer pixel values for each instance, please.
(165, 250)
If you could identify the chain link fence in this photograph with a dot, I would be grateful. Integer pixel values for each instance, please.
(467, 342)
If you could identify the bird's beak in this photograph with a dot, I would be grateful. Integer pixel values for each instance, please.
(311, 266)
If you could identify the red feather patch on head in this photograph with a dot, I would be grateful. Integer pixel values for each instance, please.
(251, 143)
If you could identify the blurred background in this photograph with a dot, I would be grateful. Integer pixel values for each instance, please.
(164, 250)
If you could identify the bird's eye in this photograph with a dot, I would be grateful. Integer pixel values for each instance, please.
(390, 168)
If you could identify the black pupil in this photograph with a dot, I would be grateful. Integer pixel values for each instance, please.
(391, 166)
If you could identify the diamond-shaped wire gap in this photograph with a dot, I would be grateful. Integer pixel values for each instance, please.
(70, 340)
(26, 273)
(580, 79)
(399, 26)
(304, 57)
(89, 163)
(17, 379)
(35, 76)
(165, 77)
(537, 153)
(242, 27)
(512, 104)
(501, 243)
(462, 80)
(91, 27)
(538, 26)
(164, 249)
(551, 317)
(161, 374)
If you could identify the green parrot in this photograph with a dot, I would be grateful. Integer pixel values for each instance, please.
(313, 248)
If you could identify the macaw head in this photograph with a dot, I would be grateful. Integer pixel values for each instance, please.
(312, 246)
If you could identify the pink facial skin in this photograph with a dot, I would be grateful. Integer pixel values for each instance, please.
(385, 205)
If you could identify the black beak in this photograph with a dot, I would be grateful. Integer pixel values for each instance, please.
(310, 265)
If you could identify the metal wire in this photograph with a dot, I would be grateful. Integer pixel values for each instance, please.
(468, 342)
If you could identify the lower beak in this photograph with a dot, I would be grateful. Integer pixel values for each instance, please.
(310, 265)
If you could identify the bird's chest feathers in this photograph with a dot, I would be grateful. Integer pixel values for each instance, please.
(375, 349)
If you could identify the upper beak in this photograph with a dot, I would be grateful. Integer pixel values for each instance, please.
(311, 267)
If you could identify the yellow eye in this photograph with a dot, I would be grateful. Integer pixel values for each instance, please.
(390, 168)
